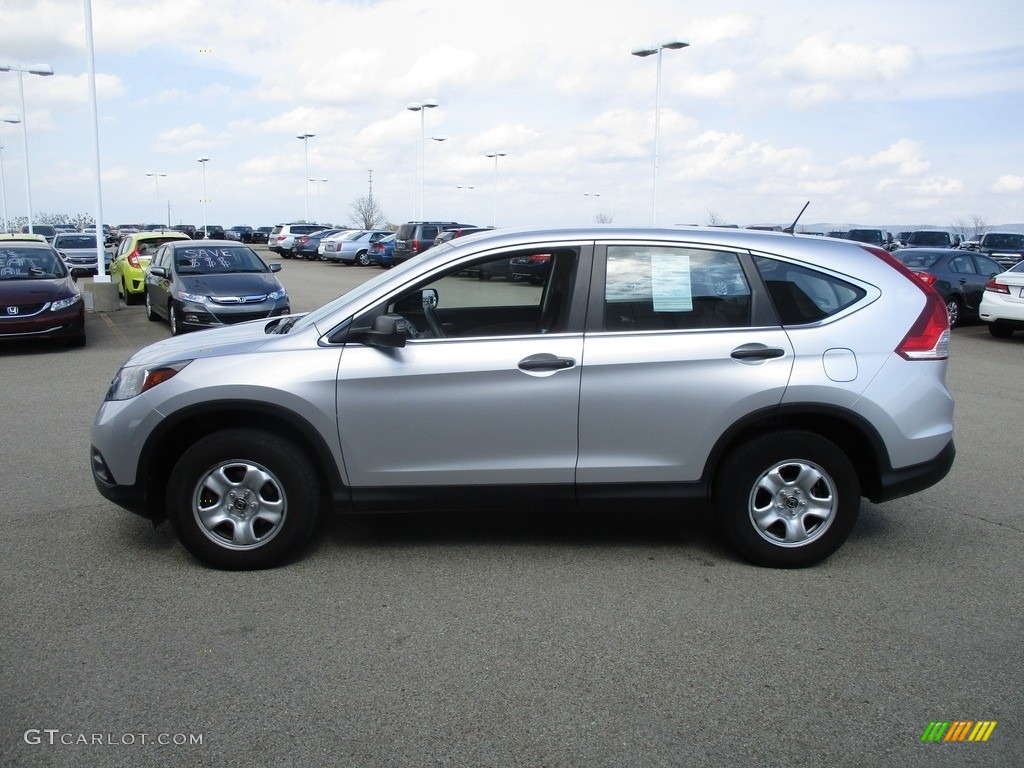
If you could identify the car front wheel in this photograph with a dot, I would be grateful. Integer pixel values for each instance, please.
(787, 499)
(174, 319)
(243, 499)
(150, 313)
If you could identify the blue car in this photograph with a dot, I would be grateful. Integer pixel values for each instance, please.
(382, 252)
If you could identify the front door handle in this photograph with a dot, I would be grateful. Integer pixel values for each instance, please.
(545, 362)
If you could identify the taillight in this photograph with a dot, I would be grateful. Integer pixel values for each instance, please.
(928, 337)
(414, 246)
(133, 259)
(995, 287)
(927, 278)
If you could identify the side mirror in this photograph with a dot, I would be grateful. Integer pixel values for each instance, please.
(429, 298)
(387, 331)
(158, 271)
(275, 267)
(78, 272)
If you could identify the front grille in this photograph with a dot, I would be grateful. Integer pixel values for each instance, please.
(236, 317)
(16, 311)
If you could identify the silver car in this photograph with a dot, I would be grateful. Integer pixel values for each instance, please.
(773, 378)
(78, 250)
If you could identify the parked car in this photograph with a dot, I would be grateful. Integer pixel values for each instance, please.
(261, 234)
(971, 243)
(242, 234)
(38, 295)
(210, 232)
(958, 277)
(878, 237)
(309, 246)
(211, 284)
(775, 379)
(453, 232)
(415, 237)
(382, 252)
(353, 247)
(929, 238)
(132, 258)
(1002, 305)
(188, 229)
(1007, 248)
(532, 267)
(281, 236)
(40, 229)
(78, 249)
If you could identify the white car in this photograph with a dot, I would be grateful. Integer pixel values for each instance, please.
(1002, 304)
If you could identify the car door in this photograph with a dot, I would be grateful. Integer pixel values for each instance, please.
(157, 287)
(676, 351)
(491, 402)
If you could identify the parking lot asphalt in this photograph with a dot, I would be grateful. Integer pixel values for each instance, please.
(536, 639)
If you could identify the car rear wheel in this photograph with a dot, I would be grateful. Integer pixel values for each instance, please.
(787, 499)
(363, 258)
(243, 499)
(150, 313)
(1000, 331)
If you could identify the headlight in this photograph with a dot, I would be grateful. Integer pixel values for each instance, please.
(277, 295)
(70, 301)
(193, 297)
(133, 380)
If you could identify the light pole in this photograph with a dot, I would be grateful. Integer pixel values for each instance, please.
(496, 155)
(422, 107)
(672, 45)
(305, 137)
(44, 70)
(203, 161)
(318, 182)
(3, 183)
(156, 180)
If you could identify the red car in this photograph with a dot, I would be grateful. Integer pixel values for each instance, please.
(38, 295)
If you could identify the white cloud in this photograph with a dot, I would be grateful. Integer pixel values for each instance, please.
(1008, 183)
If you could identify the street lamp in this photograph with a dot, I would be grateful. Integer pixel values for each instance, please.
(203, 161)
(496, 155)
(3, 184)
(672, 45)
(44, 70)
(422, 107)
(305, 137)
(156, 180)
(318, 182)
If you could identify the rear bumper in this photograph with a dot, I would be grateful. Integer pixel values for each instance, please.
(895, 483)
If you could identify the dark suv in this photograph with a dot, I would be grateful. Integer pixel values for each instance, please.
(415, 237)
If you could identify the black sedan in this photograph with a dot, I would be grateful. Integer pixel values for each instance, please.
(210, 284)
(958, 276)
(38, 297)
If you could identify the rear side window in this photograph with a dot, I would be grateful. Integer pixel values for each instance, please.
(663, 288)
(801, 295)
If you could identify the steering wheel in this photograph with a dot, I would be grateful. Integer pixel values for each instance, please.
(433, 321)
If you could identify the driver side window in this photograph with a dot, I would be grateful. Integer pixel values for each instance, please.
(509, 294)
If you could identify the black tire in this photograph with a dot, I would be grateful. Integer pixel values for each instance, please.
(363, 258)
(151, 315)
(243, 499)
(174, 318)
(762, 486)
(1000, 331)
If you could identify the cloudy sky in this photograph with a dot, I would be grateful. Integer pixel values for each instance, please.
(876, 112)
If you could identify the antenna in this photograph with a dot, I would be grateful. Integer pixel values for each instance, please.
(792, 227)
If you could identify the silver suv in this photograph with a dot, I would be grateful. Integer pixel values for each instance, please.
(282, 237)
(774, 378)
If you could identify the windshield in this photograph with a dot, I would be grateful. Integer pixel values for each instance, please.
(334, 305)
(930, 238)
(212, 261)
(29, 264)
(1013, 242)
(75, 241)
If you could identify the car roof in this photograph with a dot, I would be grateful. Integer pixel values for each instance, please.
(27, 238)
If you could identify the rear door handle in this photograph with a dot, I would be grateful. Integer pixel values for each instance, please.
(757, 352)
(545, 362)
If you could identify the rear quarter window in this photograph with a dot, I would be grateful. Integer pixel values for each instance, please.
(802, 296)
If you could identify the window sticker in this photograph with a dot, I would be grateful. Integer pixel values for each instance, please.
(670, 281)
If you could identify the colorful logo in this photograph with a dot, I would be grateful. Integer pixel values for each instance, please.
(958, 730)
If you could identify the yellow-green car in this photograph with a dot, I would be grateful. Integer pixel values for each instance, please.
(128, 269)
